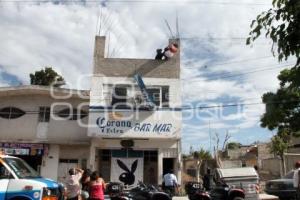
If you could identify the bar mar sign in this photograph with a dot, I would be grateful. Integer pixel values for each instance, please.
(121, 124)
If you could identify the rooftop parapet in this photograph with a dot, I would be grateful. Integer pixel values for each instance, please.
(123, 67)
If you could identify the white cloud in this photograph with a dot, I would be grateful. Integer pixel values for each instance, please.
(33, 36)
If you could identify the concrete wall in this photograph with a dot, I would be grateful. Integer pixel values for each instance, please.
(50, 163)
(290, 159)
(102, 89)
(109, 72)
(166, 149)
(128, 67)
(272, 166)
(28, 129)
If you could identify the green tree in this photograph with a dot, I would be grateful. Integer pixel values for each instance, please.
(46, 77)
(200, 156)
(278, 146)
(281, 24)
(233, 145)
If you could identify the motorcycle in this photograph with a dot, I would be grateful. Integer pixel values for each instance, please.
(141, 192)
(195, 191)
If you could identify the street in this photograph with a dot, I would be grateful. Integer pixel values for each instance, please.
(180, 198)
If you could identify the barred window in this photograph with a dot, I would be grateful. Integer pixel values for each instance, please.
(44, 114)
(72, 114)
(11, 113)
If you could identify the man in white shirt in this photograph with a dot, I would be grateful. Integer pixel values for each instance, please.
(296, 179)
(170, 182)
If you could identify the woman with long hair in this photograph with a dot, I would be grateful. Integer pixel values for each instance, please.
(96, 187)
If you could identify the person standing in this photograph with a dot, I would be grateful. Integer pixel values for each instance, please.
(96, 187)
(207, 180)
(84, 181)
(296, 179)
(73, 185)
(170, 182)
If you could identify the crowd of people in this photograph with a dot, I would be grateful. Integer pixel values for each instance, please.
(84, 185)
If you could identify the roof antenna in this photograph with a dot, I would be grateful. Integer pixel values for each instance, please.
(100, 21)
(177, 26)
(108, 44)
(172, 36)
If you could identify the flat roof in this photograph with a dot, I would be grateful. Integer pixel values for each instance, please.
(41, 90)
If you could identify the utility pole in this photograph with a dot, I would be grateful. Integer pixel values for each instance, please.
(209, 132)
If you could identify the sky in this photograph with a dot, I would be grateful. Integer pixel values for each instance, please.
(217, 68)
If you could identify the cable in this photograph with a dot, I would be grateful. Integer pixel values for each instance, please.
(184, 107)
(216, 77)
(232, 62)
(242, 104)
(141, 1)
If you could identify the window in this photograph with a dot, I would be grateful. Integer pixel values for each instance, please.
(73, 114)
(150, 156)
(44, 114)
(119, 97)
(21, 168)
(4, 173)
(11, 113)
(155, 94)
(105, 155)
(165, 96)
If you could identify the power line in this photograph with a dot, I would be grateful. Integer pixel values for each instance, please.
(224, 76)
(242, 104)
(182, 108)
(140, 1)
(233, 62)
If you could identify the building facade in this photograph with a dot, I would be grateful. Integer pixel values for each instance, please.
(109, 128)
(41, 125)
(126, 137)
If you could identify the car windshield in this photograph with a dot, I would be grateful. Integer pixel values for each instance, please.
(21, 168)
(289, 175)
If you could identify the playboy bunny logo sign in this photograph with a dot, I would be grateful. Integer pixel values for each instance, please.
(127, 170)
(128, 176)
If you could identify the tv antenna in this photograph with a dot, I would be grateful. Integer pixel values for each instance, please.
(168, 26)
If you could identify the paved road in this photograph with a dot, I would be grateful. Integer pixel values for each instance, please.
(180, 198)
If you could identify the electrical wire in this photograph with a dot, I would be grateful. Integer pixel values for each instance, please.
(141, 1)
(222, 76)
(231, 62)
(184, 107)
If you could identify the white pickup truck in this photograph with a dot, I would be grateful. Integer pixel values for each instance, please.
(18, 181)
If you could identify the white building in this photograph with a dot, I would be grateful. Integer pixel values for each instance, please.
(121, 129)
(109, 130)
(36, 124)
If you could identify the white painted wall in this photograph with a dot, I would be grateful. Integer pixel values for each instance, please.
(50, 163)
(28, 129)
(100, 94)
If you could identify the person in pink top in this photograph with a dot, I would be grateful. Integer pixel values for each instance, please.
(96, 187)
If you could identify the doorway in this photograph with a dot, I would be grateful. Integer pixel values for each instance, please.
(168, 164)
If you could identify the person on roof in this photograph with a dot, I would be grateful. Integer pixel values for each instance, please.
(168, 52)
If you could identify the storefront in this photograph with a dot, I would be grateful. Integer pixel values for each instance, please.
(32, 153)
(130, 148)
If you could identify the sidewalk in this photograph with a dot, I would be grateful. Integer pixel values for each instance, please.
(180, 198)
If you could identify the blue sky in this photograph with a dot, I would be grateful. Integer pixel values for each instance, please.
(214, 54)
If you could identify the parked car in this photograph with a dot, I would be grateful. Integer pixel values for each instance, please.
(18, 181)
(283, 188)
